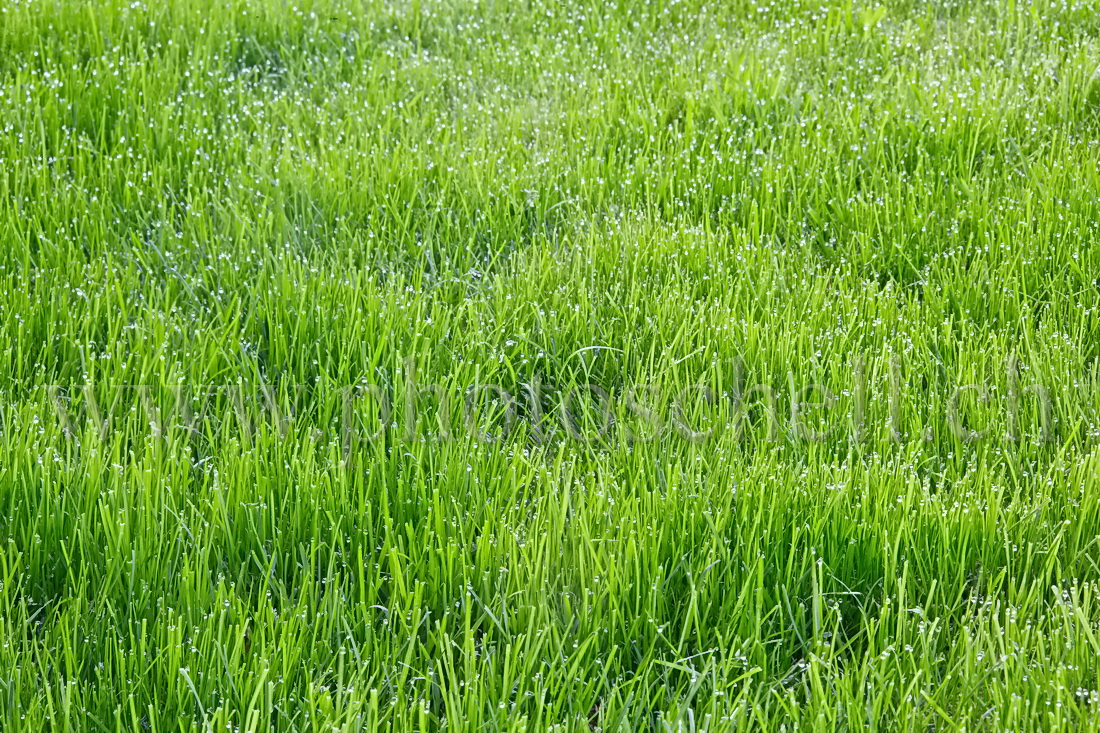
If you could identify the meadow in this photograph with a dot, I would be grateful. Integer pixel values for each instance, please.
(628, 366)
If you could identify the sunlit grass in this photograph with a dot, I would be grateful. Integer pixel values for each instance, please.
(485, 366)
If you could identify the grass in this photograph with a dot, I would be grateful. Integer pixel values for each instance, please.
(478, 365)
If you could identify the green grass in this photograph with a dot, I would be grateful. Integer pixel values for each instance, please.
(237, 238)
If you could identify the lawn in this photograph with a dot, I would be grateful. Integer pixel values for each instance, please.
(451, 365)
